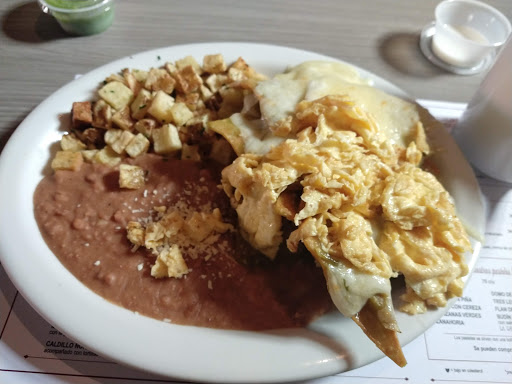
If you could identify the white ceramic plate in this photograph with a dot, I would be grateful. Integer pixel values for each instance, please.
(330, 345)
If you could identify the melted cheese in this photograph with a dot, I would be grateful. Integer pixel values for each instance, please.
(350, 288)
(315, 79)
(256, 136)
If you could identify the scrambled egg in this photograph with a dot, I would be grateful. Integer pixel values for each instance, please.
(320, 147)
(346, 171)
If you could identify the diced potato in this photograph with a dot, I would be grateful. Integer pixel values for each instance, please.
(190, 152)
(192, 100)
(131, 176)
(166, 139)
(214, 63)
(216, 82)
(141, 104)
(102, 115)
(187, 80)
(192, 133)
(123, 119)
(67, 160)
(119, 146)
(205, 92)
(93, 137)
(112, 135)
(160, 80)
(114, 77)
(131, 81)
(180, 114)
(171, 68)
(240, 63)
(244, 75)
(137, 146)
(88, 154)
(214, 103)
(200, 120)
(188, 61)
(236, 75)
(116, 94)
(81, 114)
(140, 75)
(160, 107)
(107, 156)
(146, 127)
(70, 142)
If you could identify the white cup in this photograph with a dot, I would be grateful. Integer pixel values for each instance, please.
(484, 132)
(467, 31)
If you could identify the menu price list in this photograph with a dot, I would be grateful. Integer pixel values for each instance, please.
(486, 309)
(33, 351)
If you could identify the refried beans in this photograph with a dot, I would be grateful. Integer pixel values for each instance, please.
(83, 214)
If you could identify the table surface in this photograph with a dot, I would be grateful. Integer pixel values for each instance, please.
(37, 57)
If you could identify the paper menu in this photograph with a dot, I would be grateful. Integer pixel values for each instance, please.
(471, 343)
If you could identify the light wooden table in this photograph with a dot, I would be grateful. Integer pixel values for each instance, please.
(37, 57)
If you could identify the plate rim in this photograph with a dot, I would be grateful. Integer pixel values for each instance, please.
(333, 361)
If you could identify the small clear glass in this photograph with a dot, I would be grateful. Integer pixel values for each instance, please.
(484, 131)
(467, 31)
(81, 17)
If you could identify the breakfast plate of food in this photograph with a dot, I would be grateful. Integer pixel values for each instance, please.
(237, 212)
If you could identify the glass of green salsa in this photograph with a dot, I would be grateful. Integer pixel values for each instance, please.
(81, 17)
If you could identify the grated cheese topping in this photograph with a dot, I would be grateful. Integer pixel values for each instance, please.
(186, 229)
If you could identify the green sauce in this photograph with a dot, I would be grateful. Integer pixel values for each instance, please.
(88, 22)
(67, 4)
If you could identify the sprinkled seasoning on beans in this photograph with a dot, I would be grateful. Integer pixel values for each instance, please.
(228, 285)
